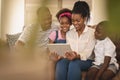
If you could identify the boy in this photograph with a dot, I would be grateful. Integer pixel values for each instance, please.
(105, 65)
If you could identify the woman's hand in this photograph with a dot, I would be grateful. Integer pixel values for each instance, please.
(55, 57)
(72, 55)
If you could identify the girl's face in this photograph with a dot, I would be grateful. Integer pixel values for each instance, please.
(78, 21)
(64, 24)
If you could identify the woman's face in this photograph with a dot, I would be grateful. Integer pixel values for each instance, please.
(78, 21)
(64, 24)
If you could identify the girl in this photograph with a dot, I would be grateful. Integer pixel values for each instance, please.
(64, 18)
(59, 36)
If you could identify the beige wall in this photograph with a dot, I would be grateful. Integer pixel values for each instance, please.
(31, 7)
(0, 18)
(99, 11)
(13, 12)
(12, 17)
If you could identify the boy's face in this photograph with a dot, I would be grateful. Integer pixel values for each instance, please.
(45, 20)
(99, 33)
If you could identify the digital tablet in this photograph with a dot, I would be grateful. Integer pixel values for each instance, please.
(60, 49)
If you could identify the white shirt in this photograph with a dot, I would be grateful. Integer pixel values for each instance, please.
(105, 48)
(34, 32)
(82, 44)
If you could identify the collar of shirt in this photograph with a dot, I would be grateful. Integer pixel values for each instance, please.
(103, 39)
(85, 30)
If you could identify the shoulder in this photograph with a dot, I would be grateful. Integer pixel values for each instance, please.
(53, 32)
(55, 26)
(71, 31)
(30, 27)
(90, 28)
(109, 42)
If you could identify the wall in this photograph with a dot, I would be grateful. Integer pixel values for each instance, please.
(17, 13)
(99, 11)
(12, 17)
(0, 18)
(31, 7)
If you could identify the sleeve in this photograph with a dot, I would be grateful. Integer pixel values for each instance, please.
(26, 34)
(109, 48)
(52, 35)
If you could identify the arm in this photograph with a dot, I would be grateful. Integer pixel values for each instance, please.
(52, 37)
(109, 52)
(19, 45)
(51, 41)
(104, 66)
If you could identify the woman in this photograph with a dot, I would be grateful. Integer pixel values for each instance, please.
(82, 41)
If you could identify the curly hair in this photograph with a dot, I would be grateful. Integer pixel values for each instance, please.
(63, 11)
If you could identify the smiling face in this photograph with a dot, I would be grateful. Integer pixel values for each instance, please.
(64, 24)
(100, 33)
(45, 19)
(78, 21)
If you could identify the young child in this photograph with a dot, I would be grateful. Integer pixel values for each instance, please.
(64, 18)
(105, 65)
(59, 36)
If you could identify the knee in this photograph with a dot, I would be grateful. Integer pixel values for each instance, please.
(75, 62)
(89, 76)
(105, 77)
(91, 73)
(62, 62)
(74, 65)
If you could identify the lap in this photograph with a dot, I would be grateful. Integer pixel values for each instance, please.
(111, 67)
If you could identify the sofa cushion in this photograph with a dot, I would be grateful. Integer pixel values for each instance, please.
(12, 38)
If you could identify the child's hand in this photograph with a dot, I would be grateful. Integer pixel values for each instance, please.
(71, 55)
(55, 57)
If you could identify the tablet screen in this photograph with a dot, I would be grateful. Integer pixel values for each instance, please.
(60, 49)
